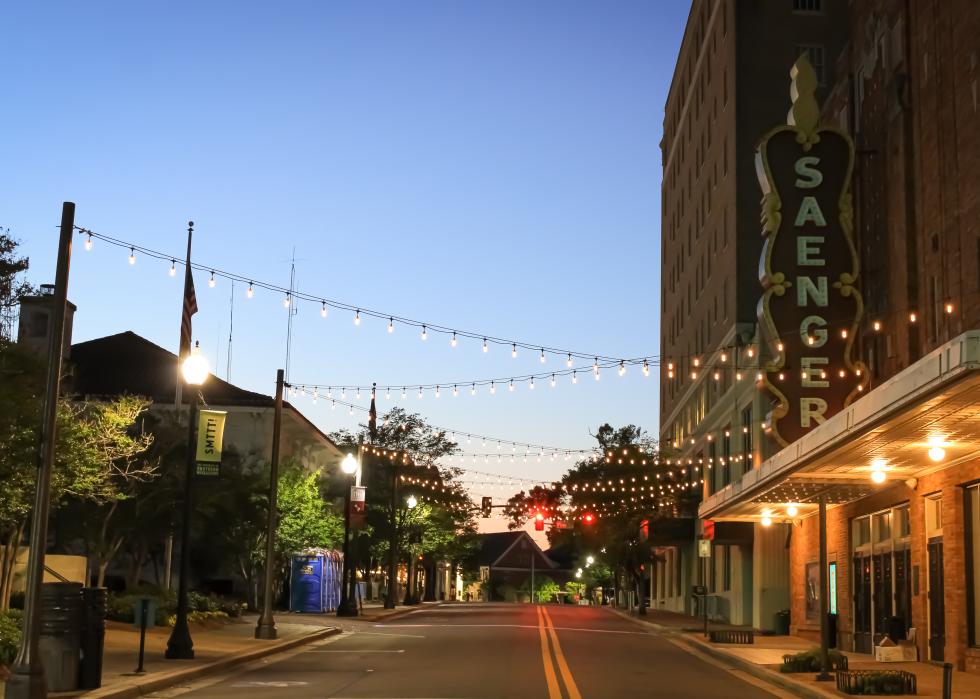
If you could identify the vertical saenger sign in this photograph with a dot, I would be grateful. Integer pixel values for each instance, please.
(810, 306)
(210, 438)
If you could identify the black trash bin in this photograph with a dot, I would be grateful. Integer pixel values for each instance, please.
(59, 634)
(782, 623)
(831, 630)
(93, 637)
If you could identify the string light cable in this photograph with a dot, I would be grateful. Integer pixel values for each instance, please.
(323, 303)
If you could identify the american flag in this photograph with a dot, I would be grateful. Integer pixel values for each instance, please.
(373, 418)
(190, 301)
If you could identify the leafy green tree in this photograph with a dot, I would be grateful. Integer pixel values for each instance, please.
(12, 283)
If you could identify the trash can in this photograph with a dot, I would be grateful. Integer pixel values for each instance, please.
(93, 637)
(782, 623)
(59, 634)
(831, 630)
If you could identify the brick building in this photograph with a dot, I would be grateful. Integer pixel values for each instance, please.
(897, 468)
(729, 87)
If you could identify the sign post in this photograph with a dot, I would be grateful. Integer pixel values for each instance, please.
(210, 439)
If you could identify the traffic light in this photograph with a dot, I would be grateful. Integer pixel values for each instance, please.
(588, 518)
(539, 521)
(486, 506)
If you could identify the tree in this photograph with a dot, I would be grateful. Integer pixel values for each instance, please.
(12, 284)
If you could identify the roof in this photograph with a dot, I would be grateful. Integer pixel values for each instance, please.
(128, 363)
(495, 546)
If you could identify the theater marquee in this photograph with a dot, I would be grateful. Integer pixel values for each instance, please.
(810, 306)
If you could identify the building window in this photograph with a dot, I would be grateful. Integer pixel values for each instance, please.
(973, 562)
(807, 5)
(816, 56)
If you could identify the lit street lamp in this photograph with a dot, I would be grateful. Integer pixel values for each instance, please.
(411, 501)
(348, 604)
(180, 646)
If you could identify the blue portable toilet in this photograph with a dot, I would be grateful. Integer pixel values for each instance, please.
(306, 584)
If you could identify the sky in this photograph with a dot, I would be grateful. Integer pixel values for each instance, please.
(492, 166)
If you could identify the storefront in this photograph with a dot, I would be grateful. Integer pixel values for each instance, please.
(897, 474)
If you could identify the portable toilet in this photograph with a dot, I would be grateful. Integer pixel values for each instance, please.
(306, 583)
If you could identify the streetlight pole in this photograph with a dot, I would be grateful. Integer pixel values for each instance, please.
(266, 626)
(392, 595)
(180, 646)
(348, 601)
(27, 680)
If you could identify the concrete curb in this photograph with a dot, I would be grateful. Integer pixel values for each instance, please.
(153, 683)
(399, 614)
(777, 679)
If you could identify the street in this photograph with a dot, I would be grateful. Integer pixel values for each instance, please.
(484, 651)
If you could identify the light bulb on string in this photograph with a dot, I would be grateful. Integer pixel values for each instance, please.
(532, 383)
(493, 388)
(248, 292)
(513, 351)
(323, 309)
(173, 268)
(88, 243)
(552, 380)
(420, 393)
(485, 347)
(132, 256)
(876, 325)
(543, 360)
(511, 387)
(403, 393)
(425, 334)
(646, 368)
(452, 341)
(455, 391)
(343, 394)
(286, 301)
(357, 317)
(437, 391)
(622, 368)
(473, 389)
(211, 281)
(388, 394)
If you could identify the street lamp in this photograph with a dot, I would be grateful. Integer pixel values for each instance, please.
(180, 646)
(589, 560)
(411, 501)
(348, 604)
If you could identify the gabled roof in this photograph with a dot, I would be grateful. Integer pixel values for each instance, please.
(128, 363)
(496, 545)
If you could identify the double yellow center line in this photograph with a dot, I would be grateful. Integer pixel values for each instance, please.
(546, 630)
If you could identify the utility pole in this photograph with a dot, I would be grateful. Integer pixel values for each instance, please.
(27, 679)
(266, 626)
(391, 597)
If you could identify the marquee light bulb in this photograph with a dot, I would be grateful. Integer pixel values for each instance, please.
(597, 373)
(455, 391)
(420, 393)
(779, 346)
(88, 243)
(248, 292)
(696, 362)
(738, 376)
(387, 394)
(717, 375)
(173, 268)
(694, 375)
(343, 393)
(132, 256)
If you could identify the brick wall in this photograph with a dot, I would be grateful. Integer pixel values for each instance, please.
(804, 548)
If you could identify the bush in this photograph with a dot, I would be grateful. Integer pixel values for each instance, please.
(198, 616)
(10, 623)
(809, 661)
(877, 682)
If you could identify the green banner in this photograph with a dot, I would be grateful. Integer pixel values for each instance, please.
(210, 436)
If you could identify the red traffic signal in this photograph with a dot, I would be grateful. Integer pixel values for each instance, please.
(588, 518)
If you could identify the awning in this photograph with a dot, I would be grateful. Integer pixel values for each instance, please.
(923, 419)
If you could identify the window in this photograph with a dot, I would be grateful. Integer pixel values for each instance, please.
(816, 56)
(973, 563)
(934, 516)
(807, 5)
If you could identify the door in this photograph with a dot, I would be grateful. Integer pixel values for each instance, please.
(882, 601)
(862, 604)
(937, 615)
(903, 588)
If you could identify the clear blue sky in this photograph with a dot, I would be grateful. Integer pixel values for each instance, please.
(492, 166)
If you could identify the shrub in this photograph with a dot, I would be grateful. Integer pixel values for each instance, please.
(809, 661)
(10, 623)
(198, 616)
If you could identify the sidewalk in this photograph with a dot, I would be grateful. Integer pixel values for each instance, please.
(216, 647)
(762, 659)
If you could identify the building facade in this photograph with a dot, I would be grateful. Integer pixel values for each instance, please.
(728, 88)
(897, 469)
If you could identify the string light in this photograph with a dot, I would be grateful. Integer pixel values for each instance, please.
(543, 359)
(877, 326)
(425, 334)
(574, 377)
(173, 268)
(132, 256)
(485, 347)
(357, 317)
(513, 351)
(248, 292)
(949, 308)
(452, 342)
(88, 243)
(622, 369)
(552, 380)
(211, 281)
(323, 310)
(912, 317)
(288, 300)
(532, 383)
(646, 368)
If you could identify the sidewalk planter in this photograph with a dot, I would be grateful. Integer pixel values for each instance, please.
(732, 636)
(876, 682)
(809, 661)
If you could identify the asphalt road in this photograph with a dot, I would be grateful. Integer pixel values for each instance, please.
(485, 651)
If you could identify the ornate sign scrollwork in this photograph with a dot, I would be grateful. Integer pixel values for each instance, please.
(810, 305)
